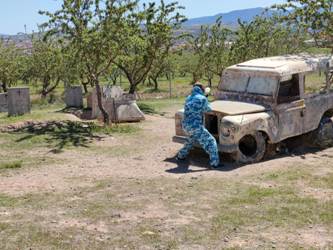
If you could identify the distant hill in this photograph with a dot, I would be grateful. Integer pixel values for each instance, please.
(229, 19)
(192, 25)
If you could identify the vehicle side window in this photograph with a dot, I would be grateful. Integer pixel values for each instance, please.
(314, 82)
(289, 90)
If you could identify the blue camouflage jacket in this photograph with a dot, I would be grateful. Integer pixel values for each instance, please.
(195, 106)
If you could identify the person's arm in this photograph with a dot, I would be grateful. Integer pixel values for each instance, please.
(206, 105)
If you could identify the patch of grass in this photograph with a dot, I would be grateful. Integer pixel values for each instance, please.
(10, 165)
(301, 174)
(254, 195)
(278, 207)
(38, 113)
(288, 176)
(60, 135)
(159, 106)
(184, 222)
(322, 181)
(114, 129)
(7, 201)
(147, 108)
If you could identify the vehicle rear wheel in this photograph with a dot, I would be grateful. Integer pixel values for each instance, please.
(323, 135)
(251, 148)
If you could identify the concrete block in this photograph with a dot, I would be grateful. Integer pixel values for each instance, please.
(3, 102)
(128, 111)
(18, 101)
(120, 106)
(74, 97)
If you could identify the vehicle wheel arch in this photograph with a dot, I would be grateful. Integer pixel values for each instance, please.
(251, 147)
(322, 137)
(328, 113)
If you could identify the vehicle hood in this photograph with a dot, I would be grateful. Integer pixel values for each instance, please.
(236, 108)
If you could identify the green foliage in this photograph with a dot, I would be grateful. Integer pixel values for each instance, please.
(47, 65)
(107, 33)
(315, 17)
(89, 28)
(217, 47)
(11, 65)
(146, 40)
(211, 49)
(264, 37)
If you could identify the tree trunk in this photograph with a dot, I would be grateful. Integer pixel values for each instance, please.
(210, 83)
(106, 117)
(132, 88)
(47, 89)
(155, 84)
(4, 87)
(149, 82)
(85, 87)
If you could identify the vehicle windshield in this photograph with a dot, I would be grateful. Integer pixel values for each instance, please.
(249, 83)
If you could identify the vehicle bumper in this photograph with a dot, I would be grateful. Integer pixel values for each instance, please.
(222, 148)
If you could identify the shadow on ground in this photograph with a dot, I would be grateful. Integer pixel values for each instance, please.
(295, 147)
(200, 160)
(59, 134)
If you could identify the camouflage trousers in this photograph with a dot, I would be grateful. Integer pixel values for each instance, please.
(206, 141)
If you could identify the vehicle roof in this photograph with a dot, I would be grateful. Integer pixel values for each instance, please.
(286, 65)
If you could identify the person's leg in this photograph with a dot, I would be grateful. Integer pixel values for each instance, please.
(183, 153)
(208, 143)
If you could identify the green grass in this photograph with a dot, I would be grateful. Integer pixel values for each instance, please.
(301, 173)
(59, 136)
(159, 106)
(7, 201)
(10, 165)
(147, 108)
(122, 206)
(38, 113)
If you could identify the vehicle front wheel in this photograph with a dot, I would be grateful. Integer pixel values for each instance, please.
(251, 149)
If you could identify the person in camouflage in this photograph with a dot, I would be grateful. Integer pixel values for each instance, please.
(195, 106)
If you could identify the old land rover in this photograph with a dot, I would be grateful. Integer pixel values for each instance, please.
(262, 102)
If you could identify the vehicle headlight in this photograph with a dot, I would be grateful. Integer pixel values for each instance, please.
(227, 129)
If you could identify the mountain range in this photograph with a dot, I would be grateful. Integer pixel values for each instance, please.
(229, 19)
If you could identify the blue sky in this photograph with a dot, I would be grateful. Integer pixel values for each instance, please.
(14, 14)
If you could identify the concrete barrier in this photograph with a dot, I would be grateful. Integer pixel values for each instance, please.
(120, 106)
(18, 101)
(74, 97)
(3, 102)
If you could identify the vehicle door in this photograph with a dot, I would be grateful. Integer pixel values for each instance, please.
(291, 108)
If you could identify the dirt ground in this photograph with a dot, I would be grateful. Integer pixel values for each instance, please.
(128, 192)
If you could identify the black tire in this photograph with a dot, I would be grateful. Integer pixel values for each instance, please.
(251, 149)
(323, 135)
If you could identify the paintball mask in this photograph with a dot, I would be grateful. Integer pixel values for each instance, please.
(207, 91)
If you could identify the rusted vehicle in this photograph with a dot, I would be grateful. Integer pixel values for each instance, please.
(262, 102)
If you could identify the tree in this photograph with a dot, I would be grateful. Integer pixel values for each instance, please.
(148, 35)
(315, 16)
(91, 27)
(263, 37)
(212, 49)
(162, 66)
(46, 65)
(114, 74)
(11, 60)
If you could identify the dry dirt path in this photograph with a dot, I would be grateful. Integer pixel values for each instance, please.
(149, 154)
